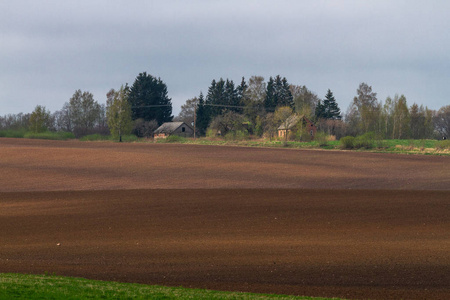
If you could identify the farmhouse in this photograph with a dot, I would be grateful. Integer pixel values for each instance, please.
(297, 122)
(173, 128)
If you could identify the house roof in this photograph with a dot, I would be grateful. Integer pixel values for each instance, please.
(169, 127)
(292, 120)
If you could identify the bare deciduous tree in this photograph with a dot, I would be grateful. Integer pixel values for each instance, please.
(305, 101)
(367, 109)
(187, 112)
(227, 122)
(144, 128)
(84, 113)
(442, 121)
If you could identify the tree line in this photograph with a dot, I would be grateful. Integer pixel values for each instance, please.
(140, 109)
(255, 108)
(252, 107)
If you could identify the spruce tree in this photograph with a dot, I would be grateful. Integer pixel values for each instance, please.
(210, 95)
(285, 98)
(270, 100)
(241, 92)
(215, 99)
(320, 112)
(202, 115)
(231, 97)
(149, 100)
(278, 94)
(331, 108)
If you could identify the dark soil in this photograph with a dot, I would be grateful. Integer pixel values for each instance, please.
(315, 223)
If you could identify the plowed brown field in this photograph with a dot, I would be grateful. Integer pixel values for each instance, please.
(316, 223)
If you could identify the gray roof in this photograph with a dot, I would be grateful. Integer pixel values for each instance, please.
(169, 127)
(291, 121)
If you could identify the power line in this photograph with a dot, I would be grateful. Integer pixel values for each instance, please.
(209, 104)
(223, 105)
(150, 106)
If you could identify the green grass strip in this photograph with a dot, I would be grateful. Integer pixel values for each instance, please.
(50, 135)
(20, 286)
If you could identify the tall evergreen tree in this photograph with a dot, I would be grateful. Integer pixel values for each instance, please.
(202, 115)
(320, 112)
(219, 97)
(270, 100)
(242, 92)
(331, 108)
(222, 96)
(231, 97)
(149, 100)
(278, 94)
(210, 96)
(285, 98)
(215, 99)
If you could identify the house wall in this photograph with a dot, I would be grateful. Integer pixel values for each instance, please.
(188, 131)
(310, 128)
(281, 133)
(159, 136)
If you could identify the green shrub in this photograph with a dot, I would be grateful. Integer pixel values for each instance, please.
(9, 133)
(445, 144)
(321, 139)
(366, 140)
(50, 135)
(211, 133)
(238, 135)
(381, 144)
(347, 142)
(241, 135)
(66, 135)
(95, 137)
(130, 138)
(174, 139)
(229, 136)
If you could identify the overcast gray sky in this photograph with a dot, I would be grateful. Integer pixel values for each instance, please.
(49, 49)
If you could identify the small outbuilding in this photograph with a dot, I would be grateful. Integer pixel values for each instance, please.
(297, 122)
(173, 128)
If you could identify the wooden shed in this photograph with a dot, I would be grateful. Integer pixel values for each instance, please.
(292, 123)
(173, 128)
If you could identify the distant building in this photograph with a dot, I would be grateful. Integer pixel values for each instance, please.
(173, 128)
(292, 124)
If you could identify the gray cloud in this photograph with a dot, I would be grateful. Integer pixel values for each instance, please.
(51, 48)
